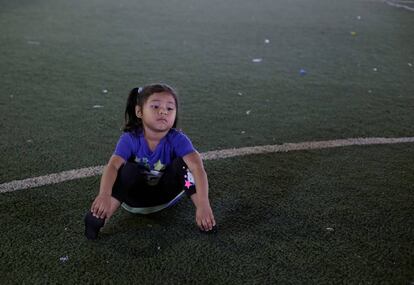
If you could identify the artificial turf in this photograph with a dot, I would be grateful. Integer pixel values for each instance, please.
(58, 57)
(324, 216)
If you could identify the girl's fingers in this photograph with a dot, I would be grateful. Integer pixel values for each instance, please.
(103, 214)
(93, 207)
(207, 225)
(99, 212)
(210, 222)
(198, 221)
(94, 210)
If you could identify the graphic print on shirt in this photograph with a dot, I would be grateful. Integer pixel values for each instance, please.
(153, 175)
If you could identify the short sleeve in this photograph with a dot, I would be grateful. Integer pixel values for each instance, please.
(182, 145)
(124, 147)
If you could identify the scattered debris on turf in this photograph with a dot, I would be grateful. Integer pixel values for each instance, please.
(257, 60)
(35, 43)
(97, 106)
(63, 259)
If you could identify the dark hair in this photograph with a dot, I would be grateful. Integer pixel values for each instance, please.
(138, 96)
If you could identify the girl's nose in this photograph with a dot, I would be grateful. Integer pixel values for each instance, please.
(163, 111)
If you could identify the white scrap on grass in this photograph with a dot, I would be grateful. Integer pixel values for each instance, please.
(240, 94)
(330, 229)
(243, 132)
(159, 247)
(248, 112)
(104, 91)
(97, 106)
(64, 258)
(359, 17)
(375, 69)
(257, 60)
(410, 64)
(267, 41)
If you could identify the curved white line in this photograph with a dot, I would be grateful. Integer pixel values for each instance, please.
(400, 5)
(210, 155)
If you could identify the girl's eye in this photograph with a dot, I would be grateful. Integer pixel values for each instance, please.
(170, 109)
(155, 106)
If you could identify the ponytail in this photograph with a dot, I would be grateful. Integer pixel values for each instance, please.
(132, 122)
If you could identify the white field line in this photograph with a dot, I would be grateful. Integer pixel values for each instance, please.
(210, 155)
(400, 5)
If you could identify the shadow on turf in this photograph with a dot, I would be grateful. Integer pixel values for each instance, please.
(146, 236)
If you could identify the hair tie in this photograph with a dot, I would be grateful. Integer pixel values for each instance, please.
(139, 89)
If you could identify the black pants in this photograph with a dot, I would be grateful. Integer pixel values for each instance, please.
(132, 185)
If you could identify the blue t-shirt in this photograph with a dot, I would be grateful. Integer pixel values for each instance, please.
(133, 146)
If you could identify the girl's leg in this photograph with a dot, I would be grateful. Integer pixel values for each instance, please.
(175, 181)
(126, 179)
(94, 224)
(177, 178)
(131, 188)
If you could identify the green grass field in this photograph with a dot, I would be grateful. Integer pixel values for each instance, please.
(342, 215)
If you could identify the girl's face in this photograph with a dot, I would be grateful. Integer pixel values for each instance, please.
(158, 112)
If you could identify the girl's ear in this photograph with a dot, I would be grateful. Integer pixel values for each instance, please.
(138, 112)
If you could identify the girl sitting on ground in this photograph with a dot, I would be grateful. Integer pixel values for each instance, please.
(153, 164)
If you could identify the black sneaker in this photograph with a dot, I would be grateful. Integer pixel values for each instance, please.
(92, 225)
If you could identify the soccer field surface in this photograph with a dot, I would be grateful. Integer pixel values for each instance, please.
(249, 74)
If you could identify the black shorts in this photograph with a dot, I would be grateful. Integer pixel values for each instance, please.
(134, 187)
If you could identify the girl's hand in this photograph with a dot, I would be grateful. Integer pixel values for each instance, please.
(101, 206)
(205, 218)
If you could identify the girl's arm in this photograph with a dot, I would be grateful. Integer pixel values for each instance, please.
(204, 214)
(101, 205)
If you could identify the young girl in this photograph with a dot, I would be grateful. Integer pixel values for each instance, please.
(153, 165)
